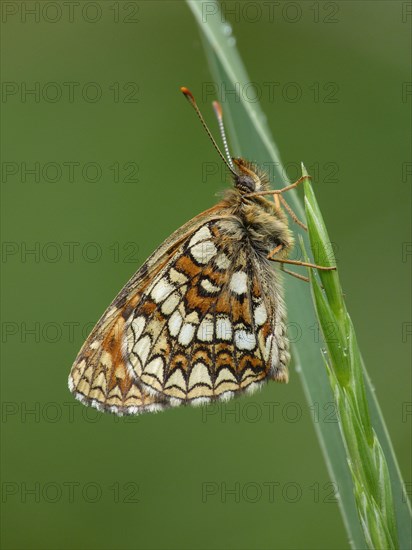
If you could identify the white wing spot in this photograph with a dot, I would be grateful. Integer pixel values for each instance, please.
(155, 367)
(161, 290)
(275, 354)
(192, 317)
(203, 252)
(260, 314)
(105, 359)
(245, 340)
(100, 381)
(278, 329)
(225, 376)
(224, 328)
(202, 235)
(174, 324)
(222, 261)
(238, 282)
(199, 375)
(205, 330)
(177, 276)
(142, 348)
(170, 303)
(138, 325)
(177, 380)
(186, 334)
(209, 286)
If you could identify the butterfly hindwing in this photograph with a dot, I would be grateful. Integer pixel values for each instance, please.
(205, 326)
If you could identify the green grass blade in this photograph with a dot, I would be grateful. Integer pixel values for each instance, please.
(250, 137)
(366, 458)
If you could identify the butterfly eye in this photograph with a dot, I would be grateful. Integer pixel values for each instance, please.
(245, 183)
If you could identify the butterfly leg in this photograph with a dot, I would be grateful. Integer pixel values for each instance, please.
(291, 212)
(278, 248)
(274, 251)
(277, 201)
(301, 277)
(277, 191)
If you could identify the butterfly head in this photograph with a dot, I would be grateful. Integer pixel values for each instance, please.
(249, 178)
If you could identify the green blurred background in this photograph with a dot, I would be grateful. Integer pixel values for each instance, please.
(119, 162)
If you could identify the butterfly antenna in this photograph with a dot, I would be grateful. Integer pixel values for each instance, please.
(219, 115)
(189, 96)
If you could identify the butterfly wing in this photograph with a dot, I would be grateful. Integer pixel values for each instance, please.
(202, 319)
(211, 323)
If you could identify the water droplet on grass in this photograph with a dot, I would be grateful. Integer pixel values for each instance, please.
(227, 29)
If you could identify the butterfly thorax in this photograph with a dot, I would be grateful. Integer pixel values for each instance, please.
(255, 219)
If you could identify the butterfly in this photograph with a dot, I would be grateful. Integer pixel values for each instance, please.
(204, 318)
